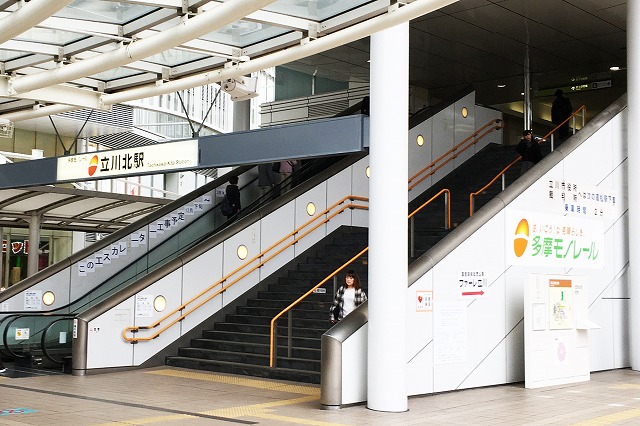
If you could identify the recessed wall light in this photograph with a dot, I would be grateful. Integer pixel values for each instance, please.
(368, 172)
(48, 298)
(465, 112)
(614, 68)
(311, 209)
(502, 85)
(159, 303)
(242, 252)
(420, 140)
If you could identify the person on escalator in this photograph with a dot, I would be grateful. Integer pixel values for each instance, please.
(529, 150)
(233, 195)
(348, 297)
(561, 109)
(286, 169)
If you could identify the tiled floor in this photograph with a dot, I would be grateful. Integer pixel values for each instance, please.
(171, 396)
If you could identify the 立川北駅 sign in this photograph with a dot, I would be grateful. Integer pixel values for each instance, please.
(148, 159)
(554, 240)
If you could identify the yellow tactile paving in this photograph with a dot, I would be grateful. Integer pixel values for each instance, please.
(240, 381)
(626, 386)
(611, 418)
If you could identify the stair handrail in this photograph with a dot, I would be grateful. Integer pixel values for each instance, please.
(135, 329)
(582, 109)
(494, 124)
(273, 336)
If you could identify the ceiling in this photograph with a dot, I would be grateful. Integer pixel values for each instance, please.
(73, 209)
(62, 55)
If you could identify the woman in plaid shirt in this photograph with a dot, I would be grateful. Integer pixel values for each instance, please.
(348, 297)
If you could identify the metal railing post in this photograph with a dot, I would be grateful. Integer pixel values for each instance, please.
(290, 333)
(583, 112)
(552, 141)
(412, 237)
(274, 344)
(473, 205)
(573, 124)
(504, 181)
(335, 284)
(447, 217)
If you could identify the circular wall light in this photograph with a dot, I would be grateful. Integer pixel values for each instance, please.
(368, 172)
(311, 209)
(159, 303)
(420, 140)
(242, 252)
(465, 112)
(48, 298)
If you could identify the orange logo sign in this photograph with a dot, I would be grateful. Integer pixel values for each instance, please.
(521, 238)
(93, 165)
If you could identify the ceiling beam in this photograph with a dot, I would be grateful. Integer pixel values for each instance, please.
(186, 30)
(306, 48)
(27, 16)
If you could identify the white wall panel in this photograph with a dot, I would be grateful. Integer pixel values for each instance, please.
(317, 196)
(274, 227)
(619, 133)
(601, 352)
(620, 330)
(419, 323)
(483, 116)
(170, 288)
(420, 372)
(491, 370)
(198, 275)
(105, 346)
(359, 179)
(621, 251)
(464, 126)
(442, 138)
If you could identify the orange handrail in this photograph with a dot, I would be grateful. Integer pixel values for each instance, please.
(476, 139)
(583, 108)
(134, 329)
(299, 299)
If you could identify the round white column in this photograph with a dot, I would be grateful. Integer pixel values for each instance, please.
(388, 198)
(633, 122)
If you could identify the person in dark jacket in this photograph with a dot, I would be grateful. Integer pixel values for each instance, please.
(233, 195)
(561, 109)
(529, 150)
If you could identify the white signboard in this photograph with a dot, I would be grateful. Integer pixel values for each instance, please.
(147, 159)
(450, 332)
(554, 240)
(144, 305)
(472, 284)
(424, 301)
(22, 334)
(33, 300)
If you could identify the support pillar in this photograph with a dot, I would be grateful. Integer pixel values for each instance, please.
(633, 122)
(388, 239)
(527, 94)
(34, 244)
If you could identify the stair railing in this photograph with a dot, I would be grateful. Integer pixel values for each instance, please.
(454, 152)
(288, 310)
(261, 258)
(472, 195)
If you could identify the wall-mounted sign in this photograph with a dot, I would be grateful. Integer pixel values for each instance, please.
(554, 240)
(148, 159)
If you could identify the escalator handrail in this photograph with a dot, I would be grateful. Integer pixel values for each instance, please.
(118, 235)
(43, 340)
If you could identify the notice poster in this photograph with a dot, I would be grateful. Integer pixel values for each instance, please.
(560, 304)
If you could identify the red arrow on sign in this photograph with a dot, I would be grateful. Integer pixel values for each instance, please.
(473, 293)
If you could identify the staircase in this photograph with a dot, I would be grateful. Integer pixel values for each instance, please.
(240, 344)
